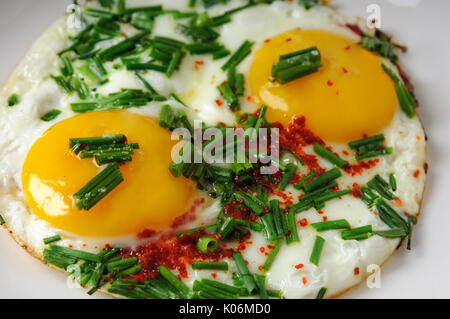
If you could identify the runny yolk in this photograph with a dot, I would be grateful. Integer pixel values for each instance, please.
(348, 97)
(148, 198)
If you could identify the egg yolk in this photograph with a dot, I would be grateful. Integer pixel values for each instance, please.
(348, 97)
(148, 198)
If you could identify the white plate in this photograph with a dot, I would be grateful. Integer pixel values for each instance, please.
(422, 25)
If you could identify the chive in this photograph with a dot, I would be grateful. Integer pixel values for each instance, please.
(174, 281)
(253, 226)
(51, 239)
(104, 189)
(211, 292)
(125, 292)
(226, 227)
(391, 73)
(210, 265)
(322, 180)
(118, 49)
(102, 140)
(86, 71)
(13, 100)
(61, 82)
(198, 34)
(112, 156)
(269, 227)
(147, 66)
(130, 271)
(221, 54)
(357, 233)
(80, 87)
(279, 218)
(229, 96)
(370, 148)
(203, 48)
(195, 230)
(239, 84)
(326, 197)
(302, 181)
(308, 4)
(51, 115)
(250, 201)
(261, 283)
(331, 224)
(303, 206)
(386, 151)
(406, 100)
(148, 9)
(292, 227)
(381, 187)
(58, 259)
(271, 258)
(392, 182)
(288, 173)
(96, 275)
(317, 250)
(242, 52)
(391, 233)
(96, 13)
(173, 63)
(389, 216)
(192, 3)
(330, 156)
(67, 69)
(2, 221)
(274, 293)
(244, 273)
(365, 141)
(207, 244)
(69, 252)
(224, 287)
(321, 293)
(121, 264)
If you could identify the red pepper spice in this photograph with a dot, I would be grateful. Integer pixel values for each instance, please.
(356, 271)
(360, 167)
(299, 266)
(416, 174)
(303, 222)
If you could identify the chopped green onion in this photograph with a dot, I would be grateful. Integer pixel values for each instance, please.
(392, 182)
(260, 281)
(359, 233)
(207, 244)
(2, 221)
(302, 181)
(381, 187)
(322, 180)
(250, 201)
(244, 273)
(331, 224)
(61, 82)
(13, 100)
(292, 235)
(229, 96)
(198, 34)
(406, 100)
(317, 250)
(51, 239)
(242, 52)
(269, 227)
(121, 264)
(219, 265)
(174, 281)
(386, 151)
(391, 233)
(211, 227)
(365, 141)
(58, 259)
(51, 115)
(67, 69)
(271, 258)
(330, 156)
(319, 201)
(288, 173)
(321, 293)
(75, 253)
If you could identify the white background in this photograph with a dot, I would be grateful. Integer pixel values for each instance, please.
(423, 25)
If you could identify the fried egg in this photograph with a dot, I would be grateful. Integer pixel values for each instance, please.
(350, 97)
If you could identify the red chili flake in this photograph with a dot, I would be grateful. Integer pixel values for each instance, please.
(266, 254)
(84, 245)
(303, 222)
(356, 271)
(260, 268)
(337, 92)
(356, 191)
(214, 275)
(270, 246)
(344, 70)
(360, 167)
(262, 249)
(304, 280)
(329, 83)
(219, 102)
(199, 62)
(267, 40)
(345, 153)
(416, 174)
(355, 28)
(70, 246)
(299, 266)
(246, 261)
(406, 213)
(249, 98)
(320, 212)
(196, 68)
(123, 34)
(147, 233)
(398, 201)
(325, 218)
(348, 47)
(288, 40)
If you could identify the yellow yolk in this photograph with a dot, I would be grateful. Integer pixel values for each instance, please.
(350, 95)
(148, 198)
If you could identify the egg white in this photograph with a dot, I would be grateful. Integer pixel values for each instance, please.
(20, 126)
